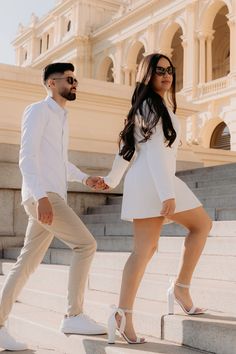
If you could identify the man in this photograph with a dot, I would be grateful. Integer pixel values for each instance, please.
(45, 170)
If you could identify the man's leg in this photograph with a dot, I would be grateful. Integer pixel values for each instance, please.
(68, 227)
(37, 241)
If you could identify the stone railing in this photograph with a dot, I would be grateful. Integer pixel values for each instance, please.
(213, 87)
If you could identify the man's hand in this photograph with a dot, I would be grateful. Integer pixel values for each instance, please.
(168, 207)
(96, 183)
(44, 211)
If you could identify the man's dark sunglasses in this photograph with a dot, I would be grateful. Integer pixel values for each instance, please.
(70, 79)
(160, 71)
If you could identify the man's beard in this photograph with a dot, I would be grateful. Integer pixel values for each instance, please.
(68, 95)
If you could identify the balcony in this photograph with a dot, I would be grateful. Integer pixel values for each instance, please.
(215, 88)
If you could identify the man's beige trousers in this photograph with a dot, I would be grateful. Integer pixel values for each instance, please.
(66, 226)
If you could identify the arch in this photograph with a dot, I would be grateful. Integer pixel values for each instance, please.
(221, 44)
(168, 32)
(207, 130)
(178, 57)
(133, 52)
(209, 13)
(220, 138)
(105, 69)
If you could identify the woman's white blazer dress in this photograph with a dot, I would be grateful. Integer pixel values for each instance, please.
(151, 178)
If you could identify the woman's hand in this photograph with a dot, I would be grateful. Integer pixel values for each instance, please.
(168, 207)
(96, 183)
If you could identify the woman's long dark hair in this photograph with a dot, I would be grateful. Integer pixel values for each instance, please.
(155, 107)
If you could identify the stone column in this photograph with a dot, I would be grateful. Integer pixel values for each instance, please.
(151, 38)
(202, 57)
(127, 76)
(209, 40)
(133, 73)
(186, 62)
(118, 63)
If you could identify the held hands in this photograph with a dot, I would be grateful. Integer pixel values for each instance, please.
(44, 211)
(96, 183)
(168, 207)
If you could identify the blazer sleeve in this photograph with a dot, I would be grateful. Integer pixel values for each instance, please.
(160, 166)
(118, 169)
(33, 124)
(75, 174)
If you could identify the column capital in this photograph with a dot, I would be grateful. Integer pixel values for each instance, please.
(184, 41)
(201, 35)
(210, 34)
(231, 20)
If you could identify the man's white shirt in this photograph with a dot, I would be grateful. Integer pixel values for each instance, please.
(43, 156)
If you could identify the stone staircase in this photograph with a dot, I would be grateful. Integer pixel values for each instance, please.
(41, 304)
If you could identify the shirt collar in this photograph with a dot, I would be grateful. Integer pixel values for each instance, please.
(55, 106)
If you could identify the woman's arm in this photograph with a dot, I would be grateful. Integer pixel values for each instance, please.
(118, 169)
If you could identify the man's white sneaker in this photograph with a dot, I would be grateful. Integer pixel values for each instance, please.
(7, 342)
(81, 324)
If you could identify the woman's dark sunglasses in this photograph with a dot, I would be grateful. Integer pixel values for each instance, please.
(70, 79)
(160, 71)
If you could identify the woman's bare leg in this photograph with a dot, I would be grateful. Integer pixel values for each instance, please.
(199, 224)
(146, 236)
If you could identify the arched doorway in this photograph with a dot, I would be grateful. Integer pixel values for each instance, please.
(221, 45)
(140, 55)
(220, 138)
(178, 57)
(105, 70)
(134, 57)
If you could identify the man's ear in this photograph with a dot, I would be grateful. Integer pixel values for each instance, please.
(50, 83)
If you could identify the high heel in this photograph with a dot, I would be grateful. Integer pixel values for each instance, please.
(171, 298)
(112, 327)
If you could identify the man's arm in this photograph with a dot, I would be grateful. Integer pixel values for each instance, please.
(31, 134)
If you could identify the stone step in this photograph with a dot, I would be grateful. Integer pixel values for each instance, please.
(105, 209)
(213, 267)
(29, 321)
(100, 218)
(214, 213)
(48, 287)
(219, 190)
(215, 182)
(215, 245)
(203, 332)
(208, 173)
(41, 326)
(209, 266)
(123, 228)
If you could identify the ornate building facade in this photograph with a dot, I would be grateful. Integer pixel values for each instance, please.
(106, 39)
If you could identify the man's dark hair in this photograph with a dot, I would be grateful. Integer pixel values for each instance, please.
(56, 68)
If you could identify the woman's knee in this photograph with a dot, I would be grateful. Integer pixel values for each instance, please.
(202, 227)
(146, 252)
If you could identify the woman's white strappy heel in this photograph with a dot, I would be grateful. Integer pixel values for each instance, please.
(112, 327)
(171, 298)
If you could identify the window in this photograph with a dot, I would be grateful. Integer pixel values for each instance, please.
(69, 26)
(220, 137)
(40, 46)
(48, 40)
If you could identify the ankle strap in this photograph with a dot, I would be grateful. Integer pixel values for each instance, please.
(120, 310)
(182, 285)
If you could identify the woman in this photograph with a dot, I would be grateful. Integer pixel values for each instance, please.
(153, 194)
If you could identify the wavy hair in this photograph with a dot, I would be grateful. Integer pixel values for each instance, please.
(155, 106)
